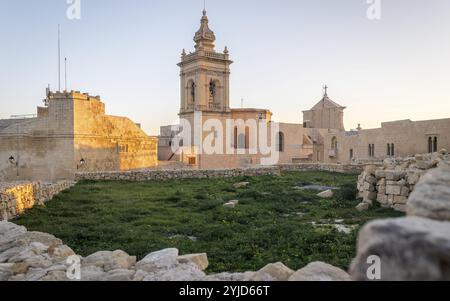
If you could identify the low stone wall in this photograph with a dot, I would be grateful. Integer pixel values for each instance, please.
(161, 175)
(339, 168)
(392, 182)
(17, 197)
(424, 234)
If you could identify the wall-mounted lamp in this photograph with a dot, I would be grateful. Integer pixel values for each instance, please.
(81, 163)
(13, 161)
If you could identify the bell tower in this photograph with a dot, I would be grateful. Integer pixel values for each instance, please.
(205, 75)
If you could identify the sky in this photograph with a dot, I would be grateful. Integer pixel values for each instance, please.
(392, 68)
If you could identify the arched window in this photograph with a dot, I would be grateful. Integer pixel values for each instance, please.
(334, 143)
(351, 153)
(389, 149)
(435, 144)
(371, 150)
(191, 91)
(242, 141)
(213, 92)
(235, 137)
(280, 142)
(430, 145)
(392, 149)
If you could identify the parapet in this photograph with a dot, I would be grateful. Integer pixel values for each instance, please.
(61, 95)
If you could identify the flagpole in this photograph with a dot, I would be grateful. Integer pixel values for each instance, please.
(59, 57)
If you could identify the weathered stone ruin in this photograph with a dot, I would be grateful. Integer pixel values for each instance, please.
(391, 183)
(416, 247)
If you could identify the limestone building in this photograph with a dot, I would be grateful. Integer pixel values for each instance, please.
(205, 96)
(72, 133)
(321, 137)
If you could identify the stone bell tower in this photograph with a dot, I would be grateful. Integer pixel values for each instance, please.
(205, 75)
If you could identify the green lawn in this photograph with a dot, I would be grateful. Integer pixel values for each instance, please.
(273, 221)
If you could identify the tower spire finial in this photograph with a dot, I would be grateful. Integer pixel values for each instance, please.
(204, 7)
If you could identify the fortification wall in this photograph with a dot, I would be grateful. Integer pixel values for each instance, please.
(17, 197)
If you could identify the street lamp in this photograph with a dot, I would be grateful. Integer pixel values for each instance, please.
(13, 161)
(82, 162)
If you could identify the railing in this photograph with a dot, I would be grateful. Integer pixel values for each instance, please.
(211, 107)
(215, 55)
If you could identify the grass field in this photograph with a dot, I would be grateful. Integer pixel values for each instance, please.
(274, 221)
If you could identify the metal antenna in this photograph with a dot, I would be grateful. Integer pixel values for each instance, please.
(59, 57)
(65, 73)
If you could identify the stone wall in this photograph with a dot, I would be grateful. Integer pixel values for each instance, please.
(391, 183)
(412, 248)
(416, 247)
(74, 126)
(150, 175)
(16, 198)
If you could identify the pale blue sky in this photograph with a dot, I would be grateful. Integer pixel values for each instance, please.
(284, 51)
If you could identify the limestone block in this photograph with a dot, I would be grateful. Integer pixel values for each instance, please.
(368, 187)
(108, 260)
(182, 272)
(394, 189)
(229, 277)
(273, 272)
(163, 259)
(326, 194)
(391, 199)
(431, 196)
(369, 195)
(405, 191)
(381, 189)
(92, 273)
(380, 174)
(401, 200)
(364, 206)
(319, 271)
(382, 198)
(119, 275)
(370, 169)
(241, 185)
(394, 175)
(410, 249)
(200, 260)
(371, 179)
(381, 182)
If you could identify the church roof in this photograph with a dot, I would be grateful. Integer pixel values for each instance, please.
(326, 103)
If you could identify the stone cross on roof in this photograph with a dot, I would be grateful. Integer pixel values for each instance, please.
(325, 90)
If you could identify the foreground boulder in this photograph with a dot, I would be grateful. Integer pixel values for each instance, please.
(319, 271)
(410, 249)
(109, 261)
(273, 272)
(200, 260)
(164, 259)
(431, 198)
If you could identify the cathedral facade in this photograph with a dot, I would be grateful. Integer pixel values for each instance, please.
(211, 134)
